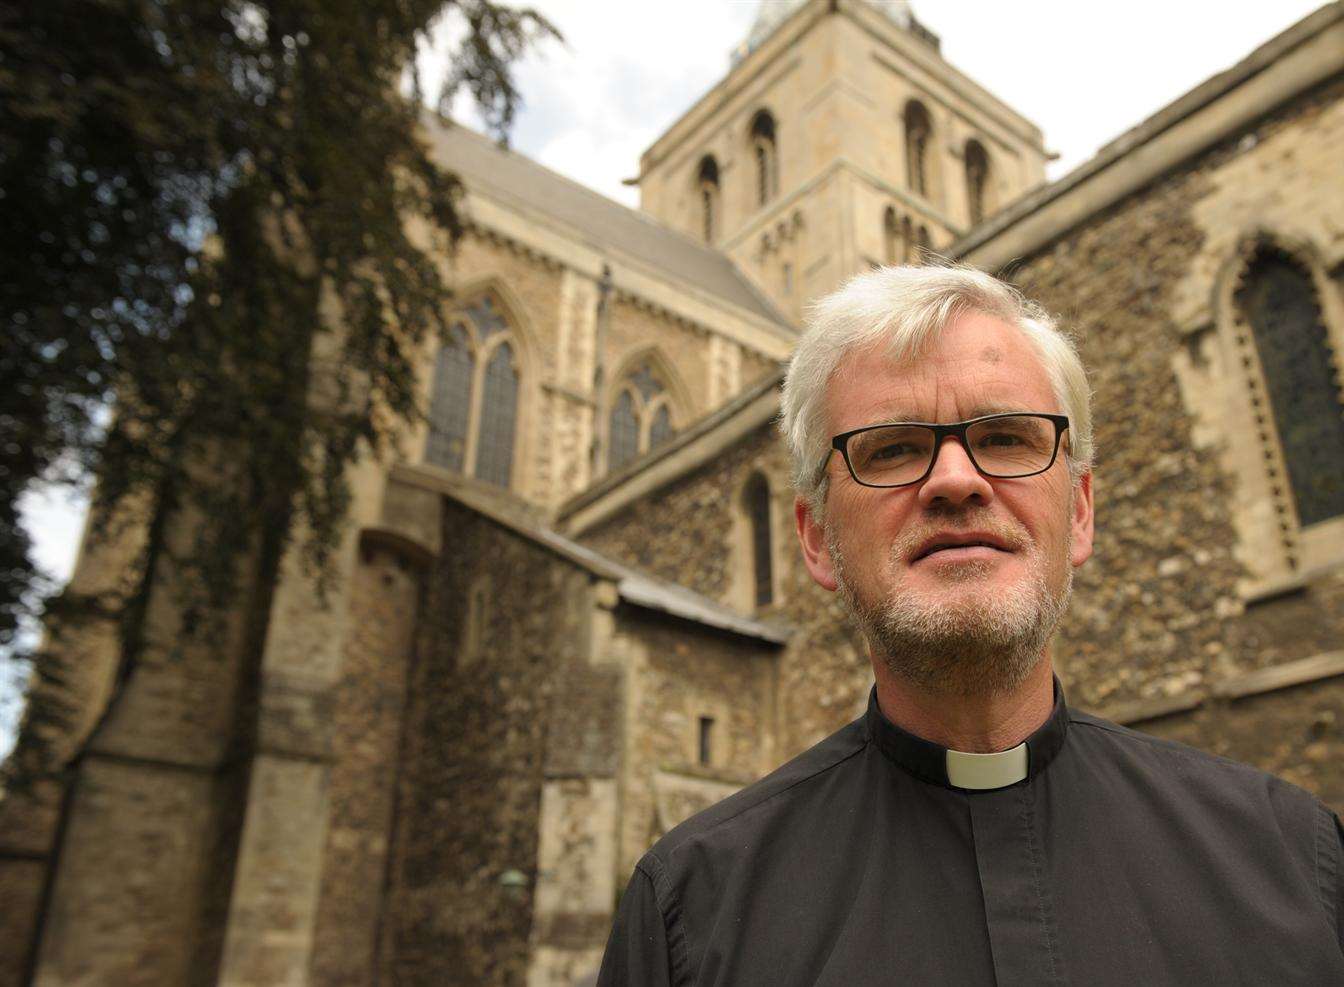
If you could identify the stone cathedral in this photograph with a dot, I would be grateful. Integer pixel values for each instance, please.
(573, 614)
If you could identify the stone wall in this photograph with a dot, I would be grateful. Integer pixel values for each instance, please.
(686, 532)
(502, 619)
(1162, 609)
(678, 674)
(367, 709)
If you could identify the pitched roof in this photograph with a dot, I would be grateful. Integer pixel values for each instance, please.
(635, 588)
(607, 225)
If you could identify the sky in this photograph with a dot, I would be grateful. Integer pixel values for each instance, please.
(1083, 71)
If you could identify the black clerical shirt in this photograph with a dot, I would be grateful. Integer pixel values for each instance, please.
(1120, 859)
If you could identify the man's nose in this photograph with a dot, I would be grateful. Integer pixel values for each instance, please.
(954, 479)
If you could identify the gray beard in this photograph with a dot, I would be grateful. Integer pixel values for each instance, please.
(976, 646)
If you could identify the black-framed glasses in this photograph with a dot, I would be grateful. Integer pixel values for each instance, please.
(1007, 446)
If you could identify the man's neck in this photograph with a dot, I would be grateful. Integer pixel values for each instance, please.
(980, 724)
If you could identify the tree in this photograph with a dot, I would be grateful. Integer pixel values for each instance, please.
(188, 190)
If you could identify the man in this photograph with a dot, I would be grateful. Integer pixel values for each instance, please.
(970, 828)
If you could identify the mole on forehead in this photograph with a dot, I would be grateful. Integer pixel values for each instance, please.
(991, 354)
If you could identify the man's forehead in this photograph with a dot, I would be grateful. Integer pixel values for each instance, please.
(988, 369)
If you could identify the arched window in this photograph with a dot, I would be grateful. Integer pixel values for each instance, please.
(925, 245)
(473, 411)
(756, 506)
(624, 444)
(708, 187)
(891, 237)
(640, 418)
(499, 413)
(765, 154)
(450, 407)
(1278, 299)
(918, 147)
(907, 240)
(977, 180)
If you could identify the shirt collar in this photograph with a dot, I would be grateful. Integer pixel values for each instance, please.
(953, 769)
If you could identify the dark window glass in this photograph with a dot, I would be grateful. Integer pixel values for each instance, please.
(907, 240)
(661, 430)
(709, 195)
(486, 318)
(1279, 300)
(977, 179)
(763, 137)
(757, 497)
(623, 440)
(706, 739)
(918, 131)
(451, 402)
(891, 235)
(499, 415)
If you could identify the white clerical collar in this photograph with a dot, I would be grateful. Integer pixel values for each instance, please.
(980, 771)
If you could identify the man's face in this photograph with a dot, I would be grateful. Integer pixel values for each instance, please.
(963, 619)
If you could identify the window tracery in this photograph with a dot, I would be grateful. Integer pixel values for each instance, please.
(640, 417)
(473, 414)
(1278, 299)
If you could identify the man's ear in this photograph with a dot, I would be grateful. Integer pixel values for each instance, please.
(1081, 522)
(812, 536)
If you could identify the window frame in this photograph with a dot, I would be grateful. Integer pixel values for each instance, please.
(482, 351)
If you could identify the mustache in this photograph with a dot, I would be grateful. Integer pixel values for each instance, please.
(1011, 532)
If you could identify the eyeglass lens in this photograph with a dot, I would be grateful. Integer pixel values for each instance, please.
(1016, 445)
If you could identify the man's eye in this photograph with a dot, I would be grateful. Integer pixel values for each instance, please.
(892, 451)
(1000, 440)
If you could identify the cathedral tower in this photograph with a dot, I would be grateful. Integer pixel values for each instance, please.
(839, 139)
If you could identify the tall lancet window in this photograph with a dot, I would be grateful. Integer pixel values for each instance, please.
(1302, 377)
(756, 504)
(499, 414)
(977, 180)
(891, 237)
(450, 408)
(473, 411)
(765, 152)
(640, 417)
(918, 148)
(708, 187)
(923, 246)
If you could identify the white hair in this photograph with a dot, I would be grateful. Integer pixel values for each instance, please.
(907, 307)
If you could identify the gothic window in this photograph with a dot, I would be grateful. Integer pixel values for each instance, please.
(708, 183)
(1278, 299)
(641, 416)
(924, 245)
(977, 180)
(473, 413)
(661, 430)
(756, 504)
(499, 412)
(624, 430)
(891, 237)
(918, 147)
(705, 745)
(765, 154)
(451, 404)
(907, 240)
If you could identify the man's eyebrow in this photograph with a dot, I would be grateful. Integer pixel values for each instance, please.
(898, 416)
